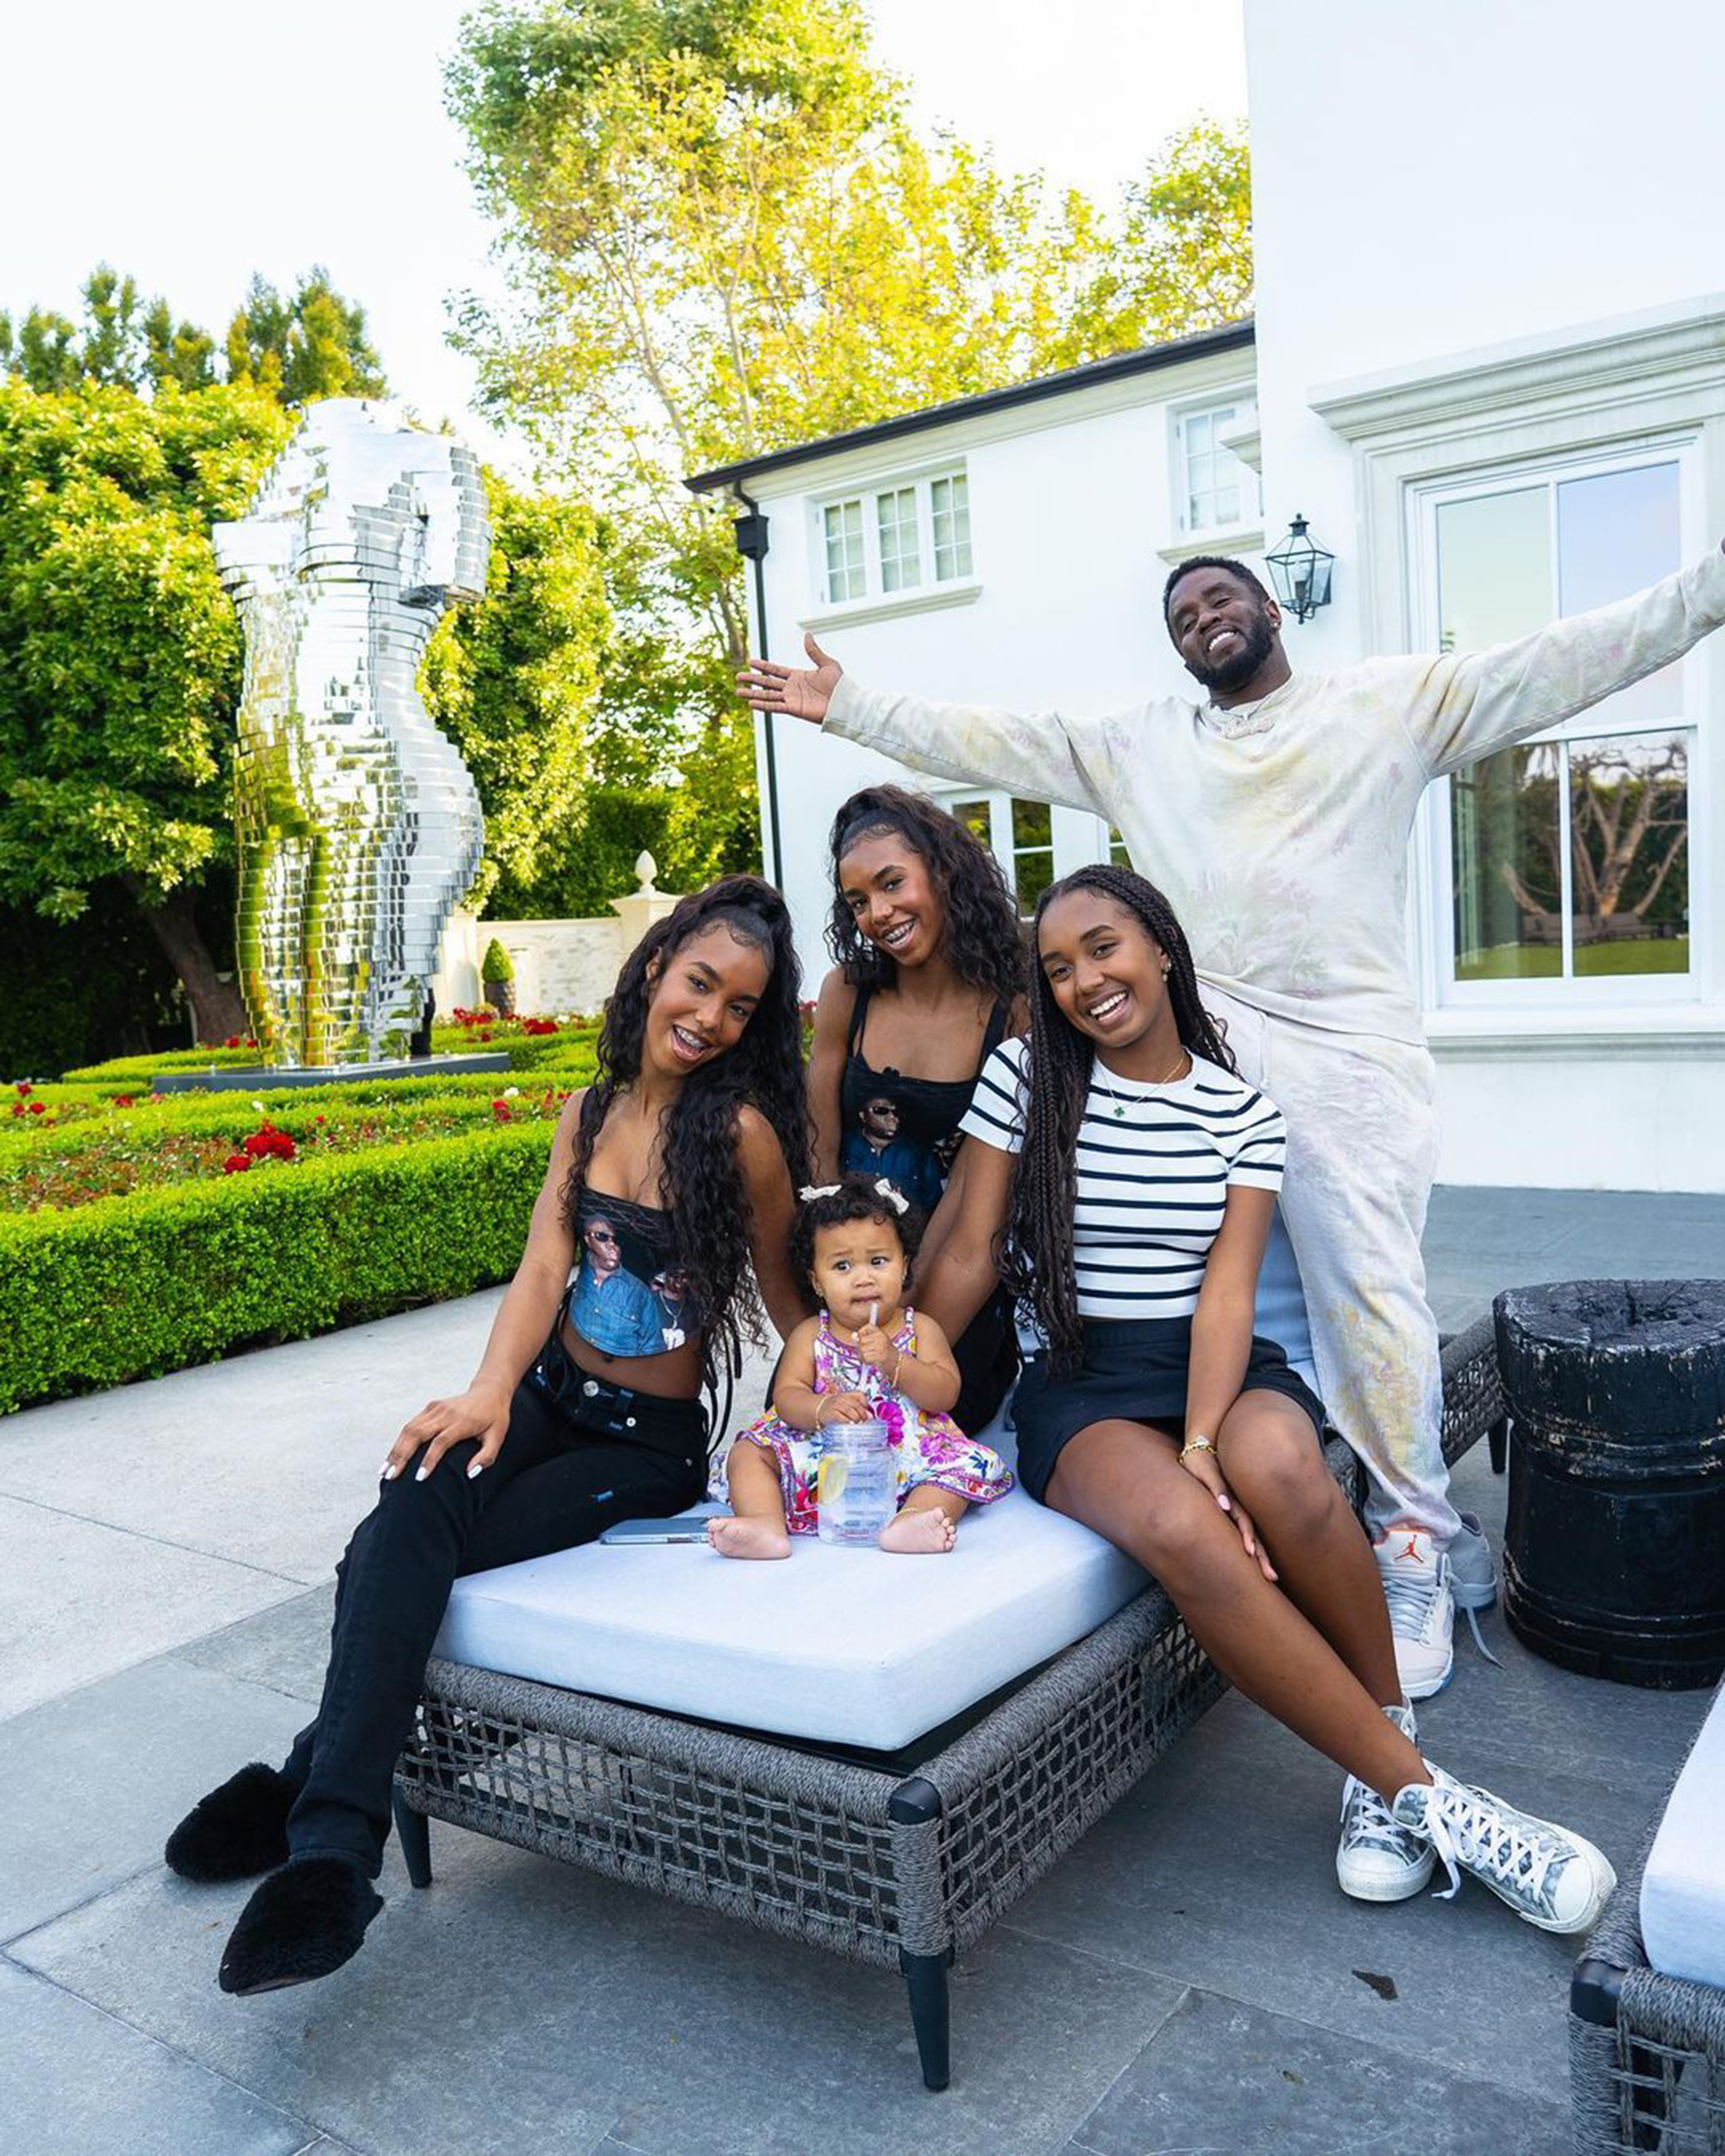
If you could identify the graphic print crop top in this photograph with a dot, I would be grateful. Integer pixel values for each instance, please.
(628, 1293)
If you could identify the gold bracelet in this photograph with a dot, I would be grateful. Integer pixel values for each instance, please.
(897, 1366)
(1200, 1444)
(823, 1401)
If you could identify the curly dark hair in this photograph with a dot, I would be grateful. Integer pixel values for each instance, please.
(1036, 1246)
(701, 1182)
(985, 939)
(856, 1198)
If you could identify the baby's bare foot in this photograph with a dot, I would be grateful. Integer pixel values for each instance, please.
(748, 1538)
(923, 1531)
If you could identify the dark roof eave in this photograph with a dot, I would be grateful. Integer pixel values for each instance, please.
(1146, 360)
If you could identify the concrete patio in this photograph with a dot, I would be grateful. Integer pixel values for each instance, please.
(1189, 1979)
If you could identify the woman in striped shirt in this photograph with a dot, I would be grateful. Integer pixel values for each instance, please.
(1120, 1178)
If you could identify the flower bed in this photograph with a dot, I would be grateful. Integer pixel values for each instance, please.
(139, 1232)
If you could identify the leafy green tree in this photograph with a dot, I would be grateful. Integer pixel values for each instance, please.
(313, 344)
(120, 652)
(723, 235)
(514, 682)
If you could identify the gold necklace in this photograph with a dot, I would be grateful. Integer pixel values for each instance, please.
(1123, 1101)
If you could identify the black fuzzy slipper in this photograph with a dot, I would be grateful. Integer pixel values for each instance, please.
(236, 1831)
(303, 1921)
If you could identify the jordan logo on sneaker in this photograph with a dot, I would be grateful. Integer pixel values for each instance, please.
(1412, 1550)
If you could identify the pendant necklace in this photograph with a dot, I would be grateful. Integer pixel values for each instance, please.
(1123, 1101)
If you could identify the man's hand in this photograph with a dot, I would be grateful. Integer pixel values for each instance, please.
(794, 690)
(482, 1411)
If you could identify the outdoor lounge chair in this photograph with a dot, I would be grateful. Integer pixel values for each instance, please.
(1648, 1999)
(876, 1757)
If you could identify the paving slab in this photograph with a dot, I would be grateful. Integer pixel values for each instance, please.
(76, 2081)
(95, 1779)
(285, 1648)
(520, 2001)
(1226, 2077)
(268, 1459)
(79, 1600)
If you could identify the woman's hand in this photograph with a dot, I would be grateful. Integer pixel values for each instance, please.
(1202, 1465)
(482, 1411)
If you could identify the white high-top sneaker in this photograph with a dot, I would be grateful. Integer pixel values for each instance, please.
(1416, 1573)
(1473, 1576)
(1549, 1877)
(1378, 1860)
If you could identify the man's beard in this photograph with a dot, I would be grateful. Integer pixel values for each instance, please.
(1235, 672)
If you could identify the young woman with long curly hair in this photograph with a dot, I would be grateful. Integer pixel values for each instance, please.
(1121, 1179)
(668, 1174)
(930, 979)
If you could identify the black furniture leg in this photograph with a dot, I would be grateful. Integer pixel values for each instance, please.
(1497, 1437)
(925, 1977)
(414, 1830)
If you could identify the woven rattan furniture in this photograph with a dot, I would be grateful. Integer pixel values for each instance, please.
(902, 1861)
(1646, 2051)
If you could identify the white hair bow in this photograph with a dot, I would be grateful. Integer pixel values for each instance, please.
(810, 1192)
(895, 1198)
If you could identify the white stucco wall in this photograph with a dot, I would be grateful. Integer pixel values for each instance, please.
(1437, 182)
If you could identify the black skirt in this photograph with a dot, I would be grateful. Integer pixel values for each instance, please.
(1134, 1371)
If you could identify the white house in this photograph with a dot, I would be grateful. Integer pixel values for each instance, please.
(1488, 363)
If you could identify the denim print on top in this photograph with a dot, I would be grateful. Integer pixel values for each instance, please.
(630, 1293)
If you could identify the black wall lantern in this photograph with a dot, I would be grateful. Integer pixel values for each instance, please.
(1301, 573)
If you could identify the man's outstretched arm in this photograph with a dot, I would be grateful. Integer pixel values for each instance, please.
(1465, 708)
(1039, 754)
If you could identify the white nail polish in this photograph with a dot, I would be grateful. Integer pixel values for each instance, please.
(389, 1472)
(419, 1474)
(476, 1467)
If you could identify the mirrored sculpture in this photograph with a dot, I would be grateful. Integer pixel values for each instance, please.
(357, 824)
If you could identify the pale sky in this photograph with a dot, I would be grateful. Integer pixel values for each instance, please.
(193, 141)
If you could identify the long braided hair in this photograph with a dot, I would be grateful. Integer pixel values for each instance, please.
(701, 1182)
(985, 939)
(1036, 1251)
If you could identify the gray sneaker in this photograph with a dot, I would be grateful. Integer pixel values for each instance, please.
(1377, 1859)
(1551, 1877)
(1473, 1577)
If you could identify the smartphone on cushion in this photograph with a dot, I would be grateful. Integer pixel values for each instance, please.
(632, 1531)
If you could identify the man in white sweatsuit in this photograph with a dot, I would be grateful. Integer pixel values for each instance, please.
(1275, 818)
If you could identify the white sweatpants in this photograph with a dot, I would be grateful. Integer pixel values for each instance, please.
(1362, 1152)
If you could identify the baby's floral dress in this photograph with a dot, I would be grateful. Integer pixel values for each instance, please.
(928, 1446)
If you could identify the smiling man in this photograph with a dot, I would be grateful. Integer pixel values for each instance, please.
(1276, 816)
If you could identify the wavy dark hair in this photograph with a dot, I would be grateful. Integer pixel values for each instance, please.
(1036, 1244)
(985, 939)
(855, 1199)
(701, 1181)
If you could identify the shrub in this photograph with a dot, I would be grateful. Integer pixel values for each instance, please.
(497, 964)
(135, 1286)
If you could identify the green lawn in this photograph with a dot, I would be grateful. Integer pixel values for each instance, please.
(1544, 962)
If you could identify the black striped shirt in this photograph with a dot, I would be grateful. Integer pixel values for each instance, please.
(1154, 1165)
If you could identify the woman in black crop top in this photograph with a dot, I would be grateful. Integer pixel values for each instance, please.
(669, 1176)
(930, 977)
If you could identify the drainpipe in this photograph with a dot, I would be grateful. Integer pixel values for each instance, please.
(750, 528)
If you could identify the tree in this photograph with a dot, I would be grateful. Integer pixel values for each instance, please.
(514, 681)
(721, 235)
(120, 652)
(312, 345)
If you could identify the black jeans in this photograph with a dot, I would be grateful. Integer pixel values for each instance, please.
(580, 1455)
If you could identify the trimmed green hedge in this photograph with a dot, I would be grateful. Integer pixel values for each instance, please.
(571, 1050)
(134, 1287)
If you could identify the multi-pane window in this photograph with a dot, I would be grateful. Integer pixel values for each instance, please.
(847, 575)
(909, 537)
(1021, 836)
(950, 507)
(1214, 492)
(1116, 848)
(1569, 855)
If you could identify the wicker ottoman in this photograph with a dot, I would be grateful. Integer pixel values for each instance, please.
(901, 1861)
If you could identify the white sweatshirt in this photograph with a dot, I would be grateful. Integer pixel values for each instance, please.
(1279, 829)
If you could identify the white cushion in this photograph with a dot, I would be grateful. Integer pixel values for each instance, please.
(848, 1646)
(1683, 1888)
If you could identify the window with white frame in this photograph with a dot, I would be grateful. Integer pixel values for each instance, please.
(1021, 836)
(1213, 490)
(1567, 857)
(910, 536)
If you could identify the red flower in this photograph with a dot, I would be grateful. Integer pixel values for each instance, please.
(235, 1164)
(250, 1042)
(267, 1143)
(122, 1100)
(316, 1118)
(23, 1088)
(500, 1110)
(232, 1041)
(17, 1107)
(35, 1107)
